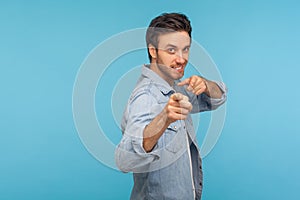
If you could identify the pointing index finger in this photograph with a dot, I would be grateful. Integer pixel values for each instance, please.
(184, 82)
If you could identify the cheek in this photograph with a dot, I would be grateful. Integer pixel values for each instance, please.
(186, 57)
(170, 59)
(166, 59)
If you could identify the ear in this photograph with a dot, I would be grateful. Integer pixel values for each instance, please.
(152, 51)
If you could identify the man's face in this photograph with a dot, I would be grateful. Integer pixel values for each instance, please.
(172, 55)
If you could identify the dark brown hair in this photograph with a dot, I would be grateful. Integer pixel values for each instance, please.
(166, 23)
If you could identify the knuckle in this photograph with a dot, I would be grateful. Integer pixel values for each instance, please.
(168, 107)
(170, 116)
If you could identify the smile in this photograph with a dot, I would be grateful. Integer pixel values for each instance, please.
(180, 68)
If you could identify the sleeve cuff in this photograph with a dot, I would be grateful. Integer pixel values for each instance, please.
(216, 102)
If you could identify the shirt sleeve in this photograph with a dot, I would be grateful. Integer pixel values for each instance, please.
(130, 154)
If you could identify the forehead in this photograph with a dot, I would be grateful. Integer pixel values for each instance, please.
(178, 39)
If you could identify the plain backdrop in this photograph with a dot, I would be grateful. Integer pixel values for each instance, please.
(255, 45)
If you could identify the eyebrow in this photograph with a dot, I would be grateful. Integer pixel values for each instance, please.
(174, 46)
(171, 45)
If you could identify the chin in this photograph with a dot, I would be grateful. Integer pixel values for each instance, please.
(178, 77)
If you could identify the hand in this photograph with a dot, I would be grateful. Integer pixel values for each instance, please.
(196, 84)
(178, 107)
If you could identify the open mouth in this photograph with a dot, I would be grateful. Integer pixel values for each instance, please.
(178, 68)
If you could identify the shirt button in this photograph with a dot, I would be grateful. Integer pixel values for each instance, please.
(175, 127)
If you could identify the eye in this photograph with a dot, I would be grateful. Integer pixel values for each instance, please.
(171, 50)
(186, 49)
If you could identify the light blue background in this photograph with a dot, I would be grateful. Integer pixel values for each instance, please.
(255, 44)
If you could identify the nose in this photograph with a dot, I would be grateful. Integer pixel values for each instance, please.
(180, 58)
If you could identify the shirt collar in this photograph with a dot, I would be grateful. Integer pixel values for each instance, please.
(163, 85)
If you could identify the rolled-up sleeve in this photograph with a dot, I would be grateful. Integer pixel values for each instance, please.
(130, 154)
(215, 103)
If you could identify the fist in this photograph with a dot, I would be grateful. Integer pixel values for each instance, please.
(178, 107)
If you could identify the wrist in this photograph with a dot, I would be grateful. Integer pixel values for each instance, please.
(206, 82)
(166, 117)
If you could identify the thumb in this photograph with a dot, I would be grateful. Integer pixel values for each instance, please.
(176, 96)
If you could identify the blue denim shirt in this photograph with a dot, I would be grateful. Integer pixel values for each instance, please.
(170, 170)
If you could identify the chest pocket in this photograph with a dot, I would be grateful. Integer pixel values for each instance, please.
(174, 138)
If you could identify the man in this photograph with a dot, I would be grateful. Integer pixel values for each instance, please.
(159, 143)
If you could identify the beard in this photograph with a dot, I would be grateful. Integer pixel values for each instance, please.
(170, 72)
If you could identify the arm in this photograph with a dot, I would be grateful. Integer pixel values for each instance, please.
(154, 130)
(204, 94)
(199, 85)
(212, 89)
(177, 108)
(141, 130)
